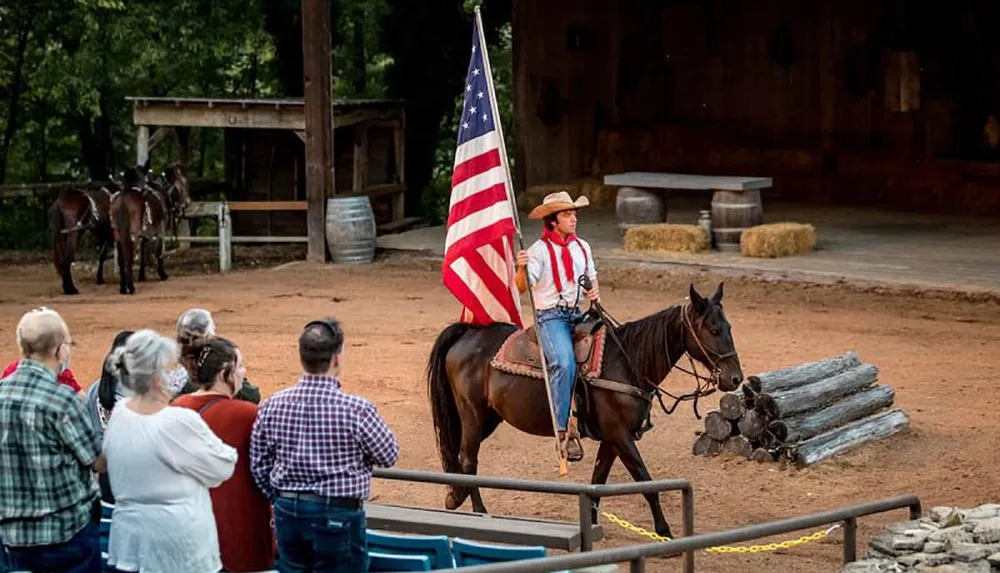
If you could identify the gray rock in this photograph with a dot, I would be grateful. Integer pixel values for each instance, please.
(885, 544)
(913, 540)
(902, 527)
(969, 552)
(933, 547)
(871, 566)
(994, 559)
(986, 511)
(956, 533)
(946, 516)
(925, 558)
(987, 531)
(974, 567)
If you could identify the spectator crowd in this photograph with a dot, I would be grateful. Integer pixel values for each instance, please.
(201, 475)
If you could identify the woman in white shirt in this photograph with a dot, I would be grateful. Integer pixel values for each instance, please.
(162, 461)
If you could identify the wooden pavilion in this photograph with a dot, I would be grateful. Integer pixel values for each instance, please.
(265, 157)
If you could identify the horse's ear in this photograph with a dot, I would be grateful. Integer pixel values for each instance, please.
(717, 297)
(698, 302)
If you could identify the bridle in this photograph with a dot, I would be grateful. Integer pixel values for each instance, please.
(705, 385)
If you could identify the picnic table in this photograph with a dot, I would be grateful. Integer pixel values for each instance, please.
(735, 206)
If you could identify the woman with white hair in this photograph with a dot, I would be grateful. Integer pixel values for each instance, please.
(162, 461)
(194, 327)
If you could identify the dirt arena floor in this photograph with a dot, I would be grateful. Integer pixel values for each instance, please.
(940, 355)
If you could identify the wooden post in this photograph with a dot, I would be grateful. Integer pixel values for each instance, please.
(316, 57)
(360, 158)
(399, 137)
(225, 238)
(142, 145)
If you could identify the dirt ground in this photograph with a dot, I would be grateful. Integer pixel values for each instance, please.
(940, 355)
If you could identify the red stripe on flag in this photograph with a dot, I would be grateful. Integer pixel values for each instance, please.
(469, 300)
(478, 202)
(478, 238)
(497, 287)
(474, 166)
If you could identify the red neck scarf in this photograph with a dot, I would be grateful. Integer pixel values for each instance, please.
(552, 238)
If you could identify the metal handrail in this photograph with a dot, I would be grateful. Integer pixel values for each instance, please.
(586, 493)
(636, 555)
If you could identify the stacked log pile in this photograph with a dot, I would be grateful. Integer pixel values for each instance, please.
(803, 414)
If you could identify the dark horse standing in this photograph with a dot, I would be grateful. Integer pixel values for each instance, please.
(470, 398)
(140, 212)
(75, 212)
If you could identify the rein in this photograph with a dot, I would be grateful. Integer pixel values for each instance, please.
(705, 389)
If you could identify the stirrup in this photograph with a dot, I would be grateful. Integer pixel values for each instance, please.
(565, 440)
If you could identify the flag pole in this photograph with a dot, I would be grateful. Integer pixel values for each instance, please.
(563, 463)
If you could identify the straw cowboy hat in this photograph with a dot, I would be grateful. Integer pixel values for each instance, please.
(555, 202)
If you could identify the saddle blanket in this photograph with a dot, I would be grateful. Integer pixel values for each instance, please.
(520, 353)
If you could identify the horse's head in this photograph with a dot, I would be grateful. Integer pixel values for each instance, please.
(710, 340)
(177, 185)
(135, 178)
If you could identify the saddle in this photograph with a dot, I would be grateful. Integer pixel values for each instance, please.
(521, 355)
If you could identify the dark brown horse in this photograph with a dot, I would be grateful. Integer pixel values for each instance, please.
(73, 213)
(140, 213)
(470, 398)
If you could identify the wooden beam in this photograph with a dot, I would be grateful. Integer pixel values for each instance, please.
(269, 206)
(158, 136)
(221, 116)
(378, 190)
(316, 57)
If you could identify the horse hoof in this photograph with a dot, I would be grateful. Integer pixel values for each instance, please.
(100, 280)
(70, 291)
(664, 531)
(163, 277)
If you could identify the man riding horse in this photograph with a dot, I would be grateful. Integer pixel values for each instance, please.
(555, 264)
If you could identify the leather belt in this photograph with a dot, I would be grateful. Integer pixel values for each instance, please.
(345, 502)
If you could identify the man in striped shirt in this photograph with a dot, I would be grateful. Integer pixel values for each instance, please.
(312, 450)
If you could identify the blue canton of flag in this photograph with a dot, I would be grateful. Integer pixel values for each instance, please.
(477, 113)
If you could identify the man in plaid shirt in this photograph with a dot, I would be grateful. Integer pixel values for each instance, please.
(48, 453)
(312, 450)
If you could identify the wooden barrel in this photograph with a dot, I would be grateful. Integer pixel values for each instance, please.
(638, 206)
(732, 213)
(350, 230)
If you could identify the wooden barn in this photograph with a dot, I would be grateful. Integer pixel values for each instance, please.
(265, 155)
(887, 103)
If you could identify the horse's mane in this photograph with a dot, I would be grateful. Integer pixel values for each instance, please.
(644, 340)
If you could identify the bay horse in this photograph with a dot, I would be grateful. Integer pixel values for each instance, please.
(470, 398)
(139, 213)
(75, 212)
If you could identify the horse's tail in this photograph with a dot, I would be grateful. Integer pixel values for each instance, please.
(442, 397)
(124, 221)
(57, 221)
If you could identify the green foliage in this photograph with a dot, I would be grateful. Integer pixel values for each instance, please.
(23, 224)
(67, 66)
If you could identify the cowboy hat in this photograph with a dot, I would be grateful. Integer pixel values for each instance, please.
(555, 202)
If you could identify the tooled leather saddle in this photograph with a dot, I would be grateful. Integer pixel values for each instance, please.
(521, 355)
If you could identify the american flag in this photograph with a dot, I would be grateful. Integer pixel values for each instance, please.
(479, 249)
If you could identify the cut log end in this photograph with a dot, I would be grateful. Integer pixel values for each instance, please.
(706, 445)
(739, 446)
(751, 425)
(718, 426)
(761, 456)
(732, 406)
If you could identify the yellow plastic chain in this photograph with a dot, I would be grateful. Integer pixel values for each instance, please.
(726, 548)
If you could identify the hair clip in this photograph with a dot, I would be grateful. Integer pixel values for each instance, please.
(204, 355)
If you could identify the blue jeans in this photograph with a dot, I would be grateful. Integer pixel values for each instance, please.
(81, 554)
(556, 326)
(313, 537)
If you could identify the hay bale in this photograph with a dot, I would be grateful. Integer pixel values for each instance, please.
(666, 237)
(600, 195)
(778, 240)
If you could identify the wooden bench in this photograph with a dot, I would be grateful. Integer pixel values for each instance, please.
(736, 203)
(476, 526)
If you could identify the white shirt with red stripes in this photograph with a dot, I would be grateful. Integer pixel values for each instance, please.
(543, 282)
